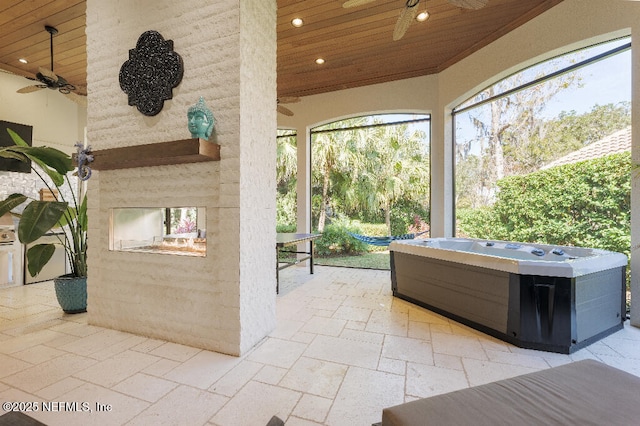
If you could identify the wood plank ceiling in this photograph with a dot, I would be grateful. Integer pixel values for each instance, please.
(356, 43)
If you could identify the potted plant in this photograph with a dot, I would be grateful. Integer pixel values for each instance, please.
(39, 217)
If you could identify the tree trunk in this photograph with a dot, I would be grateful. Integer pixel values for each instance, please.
(325, 201)
(496, 143)
(387, 218)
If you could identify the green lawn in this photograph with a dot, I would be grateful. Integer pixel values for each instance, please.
(374, 260)
(371, 260)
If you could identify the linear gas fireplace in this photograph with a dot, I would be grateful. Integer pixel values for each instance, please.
(171, 230)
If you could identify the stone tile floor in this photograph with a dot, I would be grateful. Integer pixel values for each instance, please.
(343, 350)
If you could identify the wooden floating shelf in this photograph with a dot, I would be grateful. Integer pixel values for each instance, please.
(156, 154)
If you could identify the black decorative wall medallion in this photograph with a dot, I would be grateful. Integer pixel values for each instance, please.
(151, 73)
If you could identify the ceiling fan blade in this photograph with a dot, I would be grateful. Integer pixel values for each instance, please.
(80, 100)
(469, 4)
(284, 111)
(355, 3)
(407, 16)
(48, 74)
(288, 100)
(32, 88)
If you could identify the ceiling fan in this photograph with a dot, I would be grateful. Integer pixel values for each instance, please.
(49, 79)
(410, 12)
(286, 100)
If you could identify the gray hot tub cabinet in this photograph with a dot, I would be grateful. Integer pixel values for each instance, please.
(554, 314)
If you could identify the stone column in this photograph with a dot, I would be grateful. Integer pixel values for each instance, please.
(635, 177)
(225, 301)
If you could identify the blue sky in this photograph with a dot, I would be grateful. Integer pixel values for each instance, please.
(608, 81)
(603, 82)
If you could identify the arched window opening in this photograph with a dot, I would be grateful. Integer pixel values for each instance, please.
(370, 176)
(544, 155)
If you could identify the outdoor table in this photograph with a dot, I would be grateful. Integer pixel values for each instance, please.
(288, 239)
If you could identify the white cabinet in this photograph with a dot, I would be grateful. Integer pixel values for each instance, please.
(10, 264)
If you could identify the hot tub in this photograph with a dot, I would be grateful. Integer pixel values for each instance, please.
(537, 296)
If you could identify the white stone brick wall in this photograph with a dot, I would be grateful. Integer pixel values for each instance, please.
(30, 184)
(258, 125)
(226, 300)
(24, 183)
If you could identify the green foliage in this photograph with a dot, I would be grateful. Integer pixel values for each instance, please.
(404, 215)
(286, 208)
(39, 217)
(478, 223)
(286, 160)
(53, 162)
(362, 169)
(286, 228)
(372, 229)
(580, 130)
(286, 170)
(37, 255)
(568, 132)
(514, 138)
(11, 202)
(336, 239)
(585, 204)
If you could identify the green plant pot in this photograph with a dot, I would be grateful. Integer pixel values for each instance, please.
(71, 293)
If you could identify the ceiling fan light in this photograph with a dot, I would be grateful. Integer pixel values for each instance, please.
(422, 16)
(49, 80)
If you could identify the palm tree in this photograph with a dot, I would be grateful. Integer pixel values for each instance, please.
(334, 159)
(392, 165)
(286, 172)
(327, 157)
(286, 158)
(359, 166)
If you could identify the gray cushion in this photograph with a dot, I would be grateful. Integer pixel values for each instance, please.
(582, 393)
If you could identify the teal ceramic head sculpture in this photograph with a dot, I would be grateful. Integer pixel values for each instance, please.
(201, 120)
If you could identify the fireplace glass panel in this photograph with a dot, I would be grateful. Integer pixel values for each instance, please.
(171, 230)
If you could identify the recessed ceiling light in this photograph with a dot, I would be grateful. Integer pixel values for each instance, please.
(422, 16)
(297, 22)
(23, 60)
(319, 61)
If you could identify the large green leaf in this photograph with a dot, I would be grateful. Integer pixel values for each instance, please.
(69, 216)
(72, 214)
(51, 157)
(9, 152)
(53, 161)
(82, 214)
(38, 218)
(38, 256)
(17, 139)
(12, 201)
